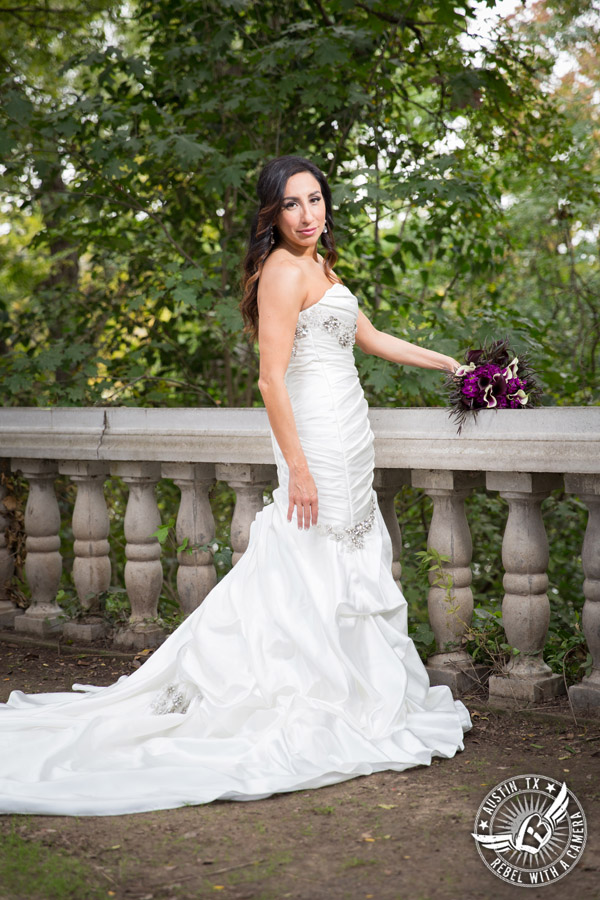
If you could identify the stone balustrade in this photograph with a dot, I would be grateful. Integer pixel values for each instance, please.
(522, 455)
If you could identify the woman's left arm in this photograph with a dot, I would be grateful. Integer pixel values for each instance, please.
(379, 343)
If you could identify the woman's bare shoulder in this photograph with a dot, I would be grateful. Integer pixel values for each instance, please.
(281, 275)
(280, 264)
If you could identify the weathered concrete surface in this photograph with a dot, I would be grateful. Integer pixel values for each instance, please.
(552, 439)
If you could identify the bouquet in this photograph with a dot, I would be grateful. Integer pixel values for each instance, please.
(493, 377)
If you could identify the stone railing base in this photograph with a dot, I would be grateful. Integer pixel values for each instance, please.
(85, 631)
(8, 616)
(40, 625)
(459, 678)
(138, 637)
(506, 690)
(585, 697)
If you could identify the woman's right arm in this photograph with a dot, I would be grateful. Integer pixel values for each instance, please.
(281, 294)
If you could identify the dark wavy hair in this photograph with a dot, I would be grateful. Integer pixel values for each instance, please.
(271, 190)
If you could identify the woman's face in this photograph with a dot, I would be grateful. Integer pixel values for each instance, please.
(301, 218)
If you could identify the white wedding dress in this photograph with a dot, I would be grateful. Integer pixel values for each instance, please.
(295, 672)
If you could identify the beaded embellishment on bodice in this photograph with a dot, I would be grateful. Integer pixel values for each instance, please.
(318, 317)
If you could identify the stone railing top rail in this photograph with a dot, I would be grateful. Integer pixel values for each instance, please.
(550, 439)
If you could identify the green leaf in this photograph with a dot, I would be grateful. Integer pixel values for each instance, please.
(185, 294)
(18, 108)
(163, 531)
(189, 150)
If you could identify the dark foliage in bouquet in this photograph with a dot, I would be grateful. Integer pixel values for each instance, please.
(493, 377)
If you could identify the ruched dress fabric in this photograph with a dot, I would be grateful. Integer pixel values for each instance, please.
(295, 672)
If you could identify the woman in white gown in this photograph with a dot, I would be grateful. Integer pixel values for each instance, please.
(296, 671)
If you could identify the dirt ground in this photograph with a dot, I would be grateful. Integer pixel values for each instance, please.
(387, 836)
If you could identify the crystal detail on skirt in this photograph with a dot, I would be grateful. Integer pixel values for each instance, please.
(316, 318)
(352, 537)
(172, 699)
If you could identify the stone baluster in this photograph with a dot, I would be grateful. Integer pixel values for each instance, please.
(196, 575)
(91, 565)
(450, 599)
(43, 565)
(585, 697)
(143, 569)
(249, 483)
(525, 608)
(387, 483)
(8, 610)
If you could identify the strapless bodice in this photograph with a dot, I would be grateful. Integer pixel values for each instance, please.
(331, 415)
(330, 323)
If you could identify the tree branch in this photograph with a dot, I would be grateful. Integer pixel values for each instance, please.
(35, 9)
(356, 106)
(190, 387)
(130, 203)
(321, 9)
(402, 21)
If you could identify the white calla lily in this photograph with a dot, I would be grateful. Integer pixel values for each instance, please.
(464, 370)
(489, 398)
(511, 369)
(521, 396)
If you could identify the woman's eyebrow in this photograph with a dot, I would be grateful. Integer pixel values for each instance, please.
(312, 194)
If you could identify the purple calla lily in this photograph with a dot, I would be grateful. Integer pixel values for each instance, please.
(493, 377)
(473, 356)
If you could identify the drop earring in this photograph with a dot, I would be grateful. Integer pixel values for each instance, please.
(272, 241)
(325, 229)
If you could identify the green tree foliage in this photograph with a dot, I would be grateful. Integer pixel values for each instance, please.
(131, 140)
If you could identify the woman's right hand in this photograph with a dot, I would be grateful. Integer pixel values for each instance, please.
(303, 497)
(452, 365)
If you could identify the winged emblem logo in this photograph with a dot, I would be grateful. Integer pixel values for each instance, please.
(533, 833)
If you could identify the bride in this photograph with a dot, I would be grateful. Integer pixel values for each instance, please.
(296, 671)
